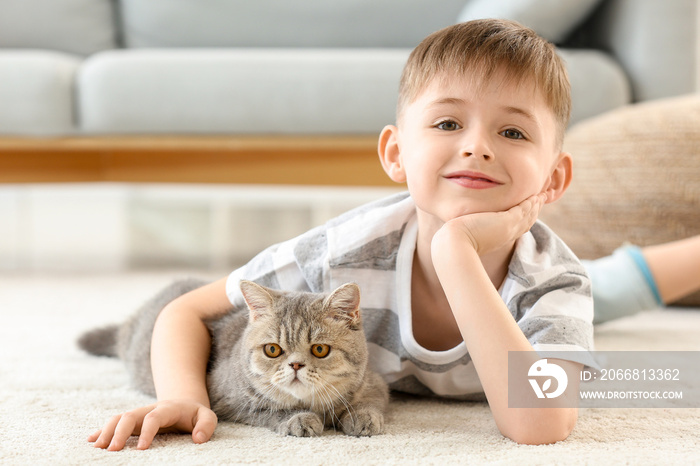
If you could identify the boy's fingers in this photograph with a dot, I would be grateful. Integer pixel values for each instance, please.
(204, 424)
(156, 420)
(148, 421)
(94, 436)
(527, 213)
(534, 202)
(532, 205)
(124, 430)
(527, 205)
(107, 432)
(149, 429)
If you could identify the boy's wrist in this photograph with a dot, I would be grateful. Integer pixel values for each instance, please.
(187, 397)
(185, 400)
(451, 245)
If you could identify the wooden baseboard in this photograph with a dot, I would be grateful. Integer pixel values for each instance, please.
(303, 160)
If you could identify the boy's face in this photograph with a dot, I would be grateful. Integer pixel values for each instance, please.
(465, 148)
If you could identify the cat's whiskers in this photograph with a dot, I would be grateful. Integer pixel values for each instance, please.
(250, 408)
(313, 401)
(327, 405)
(314, 390)
(317, 382)
(255, 404)
(339, 397)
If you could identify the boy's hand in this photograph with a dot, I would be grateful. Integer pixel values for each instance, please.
(489, 231)
(161, 417)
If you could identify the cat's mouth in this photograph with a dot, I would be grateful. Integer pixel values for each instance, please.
(298, 388)
(297, 383)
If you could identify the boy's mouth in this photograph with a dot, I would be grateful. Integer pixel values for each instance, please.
(473, 180)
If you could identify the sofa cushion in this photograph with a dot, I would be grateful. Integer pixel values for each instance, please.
(283, 23)
(598, 83)
(74, 26)
(635, 179)
(656, 42)
(552, 19)
(312, 91)
(36, 91)
(245, 91)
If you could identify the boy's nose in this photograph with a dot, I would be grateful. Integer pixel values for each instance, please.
(486, 157)
(476, 143)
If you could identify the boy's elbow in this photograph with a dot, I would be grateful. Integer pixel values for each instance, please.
(543, 430)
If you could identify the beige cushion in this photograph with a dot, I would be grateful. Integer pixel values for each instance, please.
(636, 179)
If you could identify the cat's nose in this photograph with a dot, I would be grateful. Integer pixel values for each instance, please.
(297, 365)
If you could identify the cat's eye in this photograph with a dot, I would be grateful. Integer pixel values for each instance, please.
(272, 350)
(320, 351)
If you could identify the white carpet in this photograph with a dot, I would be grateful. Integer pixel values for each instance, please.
(52, 396)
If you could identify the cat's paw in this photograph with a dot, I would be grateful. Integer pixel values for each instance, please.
(302, 425)
(362, 422)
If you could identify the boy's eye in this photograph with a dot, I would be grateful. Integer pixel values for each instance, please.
(272, 350)
(512, 134)
(447, 125)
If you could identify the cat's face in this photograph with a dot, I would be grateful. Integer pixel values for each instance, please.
(305, 348)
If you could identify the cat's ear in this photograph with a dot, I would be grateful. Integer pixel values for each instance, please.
(257, 298)
(344, 304)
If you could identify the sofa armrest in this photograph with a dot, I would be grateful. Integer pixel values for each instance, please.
(656, 42)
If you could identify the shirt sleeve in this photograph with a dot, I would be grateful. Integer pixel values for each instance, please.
(297, 264)
(549, 295)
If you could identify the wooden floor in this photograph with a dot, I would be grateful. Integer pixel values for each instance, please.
(325, 160)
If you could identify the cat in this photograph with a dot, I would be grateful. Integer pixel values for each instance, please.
(295, 362)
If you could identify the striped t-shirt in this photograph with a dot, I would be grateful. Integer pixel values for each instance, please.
(546, 290)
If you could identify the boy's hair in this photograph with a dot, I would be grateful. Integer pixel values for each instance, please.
(482, 48)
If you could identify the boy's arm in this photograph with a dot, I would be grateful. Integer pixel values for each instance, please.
(181, 343)
(179, 354)
(485, 322)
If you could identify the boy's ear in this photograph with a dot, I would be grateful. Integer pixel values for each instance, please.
(390, 154)
(560, 178)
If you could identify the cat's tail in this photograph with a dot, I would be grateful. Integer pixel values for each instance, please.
(100, 341)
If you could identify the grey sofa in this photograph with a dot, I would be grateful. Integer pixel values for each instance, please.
(223, 90)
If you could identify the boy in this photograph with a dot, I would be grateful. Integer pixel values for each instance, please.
(455, 275)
